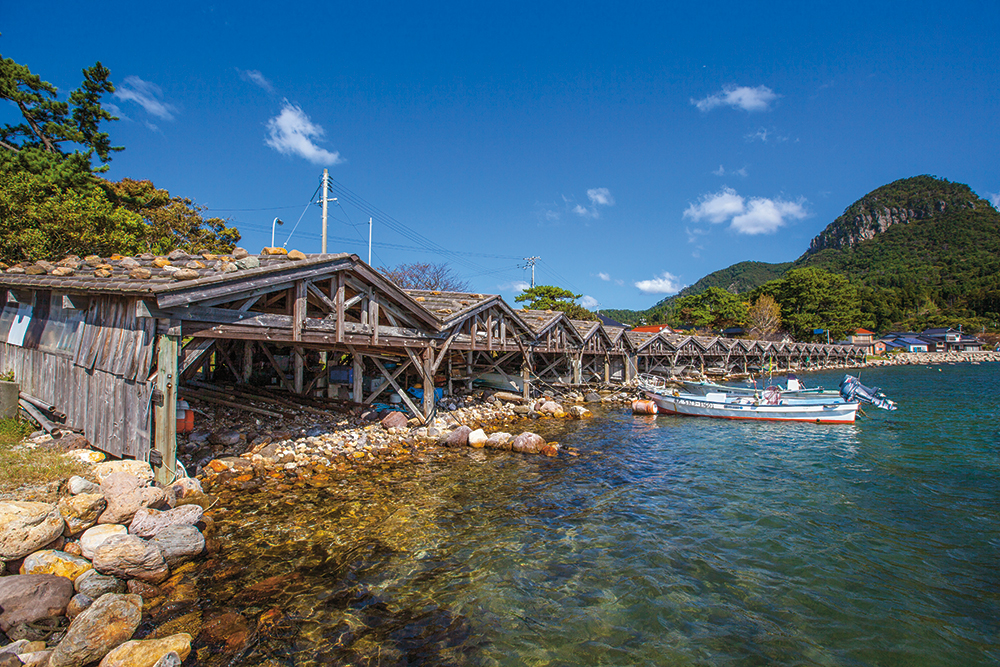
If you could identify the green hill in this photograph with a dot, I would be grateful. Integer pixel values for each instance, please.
(924, 251)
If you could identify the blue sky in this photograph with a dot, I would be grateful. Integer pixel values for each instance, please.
(633, 148)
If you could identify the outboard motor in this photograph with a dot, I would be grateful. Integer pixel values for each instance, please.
(851, 389)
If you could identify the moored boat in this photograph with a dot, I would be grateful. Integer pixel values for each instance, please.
(769, 406)
(792, 389)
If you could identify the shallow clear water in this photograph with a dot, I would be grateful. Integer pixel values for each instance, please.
(669, 541)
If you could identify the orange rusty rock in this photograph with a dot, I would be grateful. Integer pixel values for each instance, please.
(161, 262)
(274, 251)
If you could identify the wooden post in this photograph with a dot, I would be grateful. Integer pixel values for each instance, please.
(451, 388)
(359, 375)
(525, 378)
(427, 373)
(468, 370)
(607, 369)
(247, 369)
(299, 365)
(165, 414)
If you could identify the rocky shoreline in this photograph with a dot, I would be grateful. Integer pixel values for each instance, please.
(109, 572)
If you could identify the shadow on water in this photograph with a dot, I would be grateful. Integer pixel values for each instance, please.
(669, 541)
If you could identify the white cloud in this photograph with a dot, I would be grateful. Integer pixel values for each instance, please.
(719, 207)
(666, 283)
(256, 77)
(604, 276)
(292, 133)
(765, 216)
(759, 215)
(721, 171)
(600, 197)
(995, 199)
(516, 286)
(147, 95)
(765, 135)
(589, 302)
(739, 97)
(597, 197)
(693, 234)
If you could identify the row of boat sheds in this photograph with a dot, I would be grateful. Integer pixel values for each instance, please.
(111, 342)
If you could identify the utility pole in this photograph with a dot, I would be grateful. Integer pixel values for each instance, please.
(369, 241)
(531, 262)
(326, 191)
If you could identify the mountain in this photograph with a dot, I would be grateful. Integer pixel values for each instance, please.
(920, 236)
(924, 248)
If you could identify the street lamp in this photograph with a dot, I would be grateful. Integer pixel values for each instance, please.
(276, 222)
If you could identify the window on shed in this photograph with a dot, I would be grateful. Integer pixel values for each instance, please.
(61, 327)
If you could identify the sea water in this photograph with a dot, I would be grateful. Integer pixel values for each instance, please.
(668, 541)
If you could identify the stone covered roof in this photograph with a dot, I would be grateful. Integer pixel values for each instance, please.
(151, 274)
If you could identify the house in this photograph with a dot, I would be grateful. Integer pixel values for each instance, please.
(864, 338)
(906, 344)
(654, 328)
(950, 340)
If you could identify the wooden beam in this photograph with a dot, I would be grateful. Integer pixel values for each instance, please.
(399, 391)
(299, 367)
(299, 310)
(427, 371)
(165, 412)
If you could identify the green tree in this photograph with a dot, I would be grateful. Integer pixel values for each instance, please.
(55, 139)
(549, 297)
(43, 220)
(816, 299)
(715, 308)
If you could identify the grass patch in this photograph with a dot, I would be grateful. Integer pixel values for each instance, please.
(20, 466)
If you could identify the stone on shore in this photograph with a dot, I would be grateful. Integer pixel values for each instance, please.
(186, 486)
(107, 623)
(58, 563)
(179, 543)
(148, 652)
(579, 412)
(26, 527)
(131, 557)
(499, 440)
(149, 522)
(592, 397)
(93, 584)
(81, 511)
(78, 485)
(457, 438)
(77, 605)
(126, 494)
(528, 443)
(508, 397)
(394, 420)
(140, 469)
(26, 598)
(477, 438)
(95, 536)
(552, 408)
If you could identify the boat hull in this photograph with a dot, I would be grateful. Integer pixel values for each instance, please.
(697, 406)
(702, 388)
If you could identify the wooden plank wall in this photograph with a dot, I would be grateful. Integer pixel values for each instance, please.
(103, 386)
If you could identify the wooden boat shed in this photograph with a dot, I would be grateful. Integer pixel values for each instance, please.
(110, 341)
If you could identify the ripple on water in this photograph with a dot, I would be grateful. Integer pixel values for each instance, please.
(670, 541)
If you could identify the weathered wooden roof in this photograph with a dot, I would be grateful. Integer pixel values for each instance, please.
(586, 328)
(639, 339)
(540, 320)
(450, 308)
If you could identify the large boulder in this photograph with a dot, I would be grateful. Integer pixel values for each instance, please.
(126, 494)
(478, 438)
(26, 527)
(551, 408)
(148, 652)
(140, 469)
(528, 443)
(394, 420)
(131, 557)
(93, 584)
(107, 623)
(94, 537)
(58, 563)
(579, 412)
(26, 598)
(499, 440)
(149, 522)
(457, 438)
(80, 511)
(179, 543)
